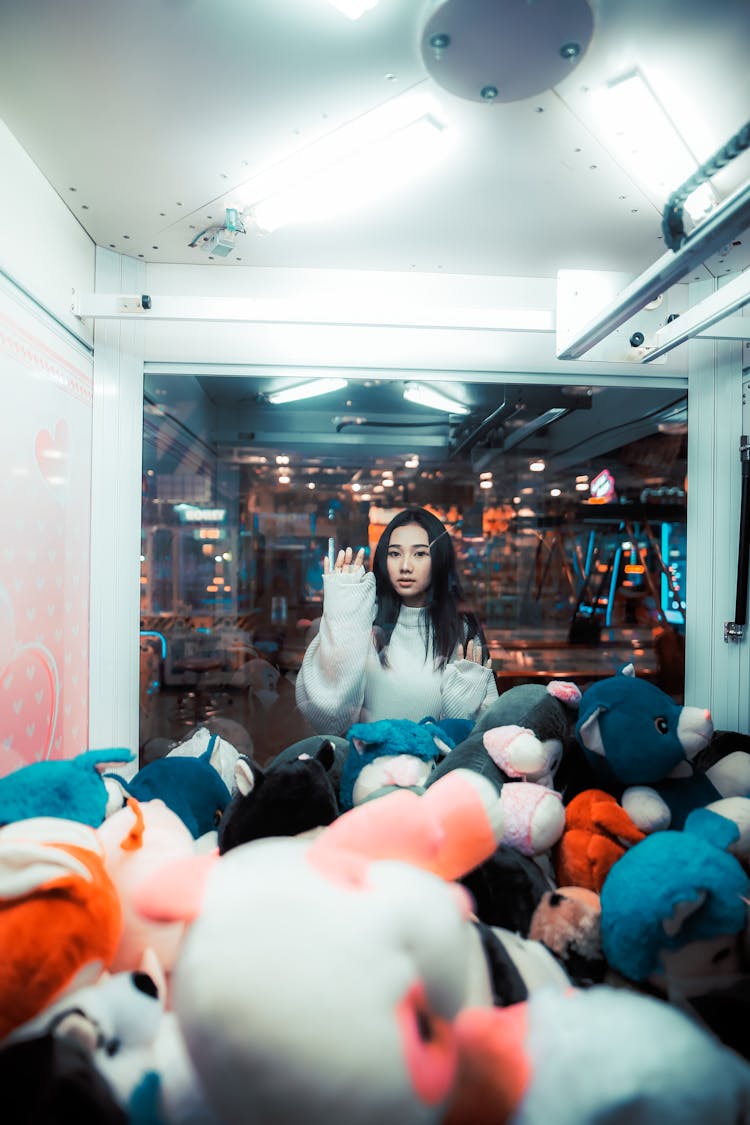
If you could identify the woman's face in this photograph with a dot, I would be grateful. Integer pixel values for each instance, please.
(409, 563)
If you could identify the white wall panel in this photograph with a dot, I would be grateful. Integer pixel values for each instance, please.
(116, 514)
(716, 674)
(43, 247)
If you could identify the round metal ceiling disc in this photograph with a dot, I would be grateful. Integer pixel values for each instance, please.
(505, 50)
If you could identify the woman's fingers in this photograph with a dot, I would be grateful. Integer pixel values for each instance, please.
(474, 651)
(345, 560)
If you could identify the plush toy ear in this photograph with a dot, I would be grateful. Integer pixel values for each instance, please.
(566, 691)
(103, 759)
(627, 670)
(326, 754)
(682, 912)
(589, 733)
(443, 746)
(246, 775)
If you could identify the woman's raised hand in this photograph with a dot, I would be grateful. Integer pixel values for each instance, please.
(346, 561)
(473, 653)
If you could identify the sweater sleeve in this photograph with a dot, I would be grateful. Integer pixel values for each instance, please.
(330, 684)
(467, 689)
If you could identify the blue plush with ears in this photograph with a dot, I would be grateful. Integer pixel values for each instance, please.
(72, 788)
(670, 891)
(191, 787)
(389, 754)
(645, 749)
(451, 731)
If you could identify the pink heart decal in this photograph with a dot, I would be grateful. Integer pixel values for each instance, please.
(28, 704)
(52, 452)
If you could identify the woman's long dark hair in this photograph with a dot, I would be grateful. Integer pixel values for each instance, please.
(450, 623)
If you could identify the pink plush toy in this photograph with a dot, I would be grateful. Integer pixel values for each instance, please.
(136, 840)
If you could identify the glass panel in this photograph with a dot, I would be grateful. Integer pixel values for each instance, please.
(574, 565)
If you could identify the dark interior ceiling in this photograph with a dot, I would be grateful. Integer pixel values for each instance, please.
(367, 428)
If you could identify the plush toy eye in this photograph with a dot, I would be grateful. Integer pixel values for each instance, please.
(425, 1028)
(661, 724)
(217, 818)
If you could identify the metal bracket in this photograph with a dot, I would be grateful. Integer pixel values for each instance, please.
(733, 631)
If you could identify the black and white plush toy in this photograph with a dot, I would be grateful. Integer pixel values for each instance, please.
(522, 738)
(286, 798)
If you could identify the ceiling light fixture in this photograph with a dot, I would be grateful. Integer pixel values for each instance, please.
(351, 166)
(537, 466)
(641, 136)
(306, 390)
(353, 8)
(436, 400)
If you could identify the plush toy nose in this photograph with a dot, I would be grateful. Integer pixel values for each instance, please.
(402, 771)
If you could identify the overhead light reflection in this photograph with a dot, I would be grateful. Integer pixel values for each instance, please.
(436, 400)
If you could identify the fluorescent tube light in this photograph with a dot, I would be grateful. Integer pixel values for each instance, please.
(638, 132)
(355, 165)
(306, 390)
(353, 8)
(427, 396)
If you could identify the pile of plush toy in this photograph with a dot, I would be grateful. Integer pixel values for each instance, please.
(539, 919)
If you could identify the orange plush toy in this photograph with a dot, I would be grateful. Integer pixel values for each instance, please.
(60, 915)
(597, 832)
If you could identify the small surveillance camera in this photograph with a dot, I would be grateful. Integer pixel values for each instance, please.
(145, 301)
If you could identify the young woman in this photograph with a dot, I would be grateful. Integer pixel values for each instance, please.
(395, 643)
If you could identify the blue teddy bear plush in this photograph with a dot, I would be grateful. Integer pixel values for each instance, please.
(645, 749)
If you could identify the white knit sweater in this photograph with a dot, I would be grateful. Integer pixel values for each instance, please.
(343, 681)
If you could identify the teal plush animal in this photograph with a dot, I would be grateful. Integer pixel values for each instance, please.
(389, 754)
(674, 902)
(190, 787)
(72, 789)
(644, 748)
